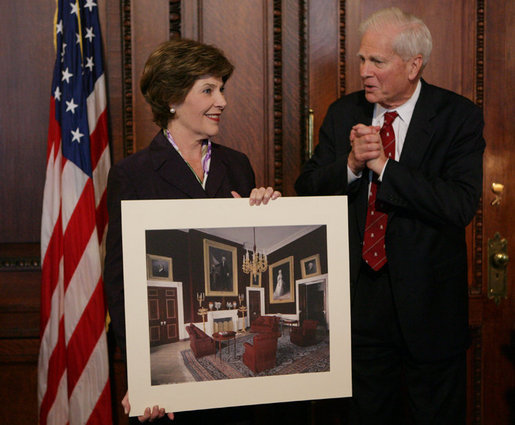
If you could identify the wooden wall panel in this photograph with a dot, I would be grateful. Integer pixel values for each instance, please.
(150, 27)
(18, 372)
(294, 92)
(26, 67)
(110, 20)
(246, 122)
(323, 48)
(498, 342)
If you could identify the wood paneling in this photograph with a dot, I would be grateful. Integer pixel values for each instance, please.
(149, 28)
(323, 49)
(26, 67)
(498, 321)
(18, 359)
(247, 123)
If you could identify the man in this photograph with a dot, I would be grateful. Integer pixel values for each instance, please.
(225, 276)
(408, 259)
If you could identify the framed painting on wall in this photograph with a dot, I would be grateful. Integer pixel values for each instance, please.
(255, 280)
(281, 282)
(159, 267)
(220, 269)
(310, 266)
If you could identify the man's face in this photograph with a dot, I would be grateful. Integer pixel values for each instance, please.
(387, 78)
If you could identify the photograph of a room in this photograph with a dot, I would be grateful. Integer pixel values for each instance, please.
(237, 302)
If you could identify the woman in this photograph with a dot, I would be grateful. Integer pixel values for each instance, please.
(183, 81)
(279, 290)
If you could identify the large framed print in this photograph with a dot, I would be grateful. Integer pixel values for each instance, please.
(219, 371)
(220, 273)
(281, 281)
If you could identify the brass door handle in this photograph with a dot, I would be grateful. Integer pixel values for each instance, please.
(497, 189)
(497, 263)
(500, 259)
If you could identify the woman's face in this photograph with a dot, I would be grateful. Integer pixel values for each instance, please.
(198, 116)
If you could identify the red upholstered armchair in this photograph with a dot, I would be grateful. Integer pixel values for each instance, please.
(201, 344)
(304, 335)
(260, 355)
(264, 324)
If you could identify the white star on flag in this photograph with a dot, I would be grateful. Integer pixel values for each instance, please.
(59, 27)
(74, 9)
(66, 75)
(89, 4)
(57, 93)
(63, 51)
(90, 63)
(70, 106)
(77, 135)
(89, 34)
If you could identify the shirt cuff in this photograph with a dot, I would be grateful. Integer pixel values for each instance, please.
(380, 178)
(351, 176)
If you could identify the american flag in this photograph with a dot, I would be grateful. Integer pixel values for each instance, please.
(73, 369)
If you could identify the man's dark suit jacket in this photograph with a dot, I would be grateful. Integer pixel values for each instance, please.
(159, 172)
(432, 193)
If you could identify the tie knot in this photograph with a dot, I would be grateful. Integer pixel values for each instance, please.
(389, 117)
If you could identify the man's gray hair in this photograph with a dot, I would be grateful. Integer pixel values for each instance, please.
(413, 38)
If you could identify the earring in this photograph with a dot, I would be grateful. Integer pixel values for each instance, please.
(172, 110)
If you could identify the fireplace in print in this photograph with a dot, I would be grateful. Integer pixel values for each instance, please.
(221, 320)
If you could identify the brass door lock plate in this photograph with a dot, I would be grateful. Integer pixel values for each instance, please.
(497, 263)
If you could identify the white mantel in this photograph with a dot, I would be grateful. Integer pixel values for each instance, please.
(221, 314)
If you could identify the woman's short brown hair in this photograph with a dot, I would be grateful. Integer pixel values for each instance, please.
(172, 69)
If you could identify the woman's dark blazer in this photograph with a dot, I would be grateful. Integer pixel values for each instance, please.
(159, 172)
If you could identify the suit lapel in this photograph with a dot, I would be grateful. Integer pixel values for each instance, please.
(170, 166)
(420, 130)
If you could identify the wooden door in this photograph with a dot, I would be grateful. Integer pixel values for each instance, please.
(492, 354)
(303, 302)
(162, 315)
(315, 296)
(254, 305)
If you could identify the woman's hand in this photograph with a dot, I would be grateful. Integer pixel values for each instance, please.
(148, 415)
(260, 195)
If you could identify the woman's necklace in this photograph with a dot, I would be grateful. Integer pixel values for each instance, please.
(205, 160)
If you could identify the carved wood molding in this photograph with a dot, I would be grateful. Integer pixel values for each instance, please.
(303, 77)
(175, 18)
(480, 51)
(476, 362)
(278, 97)
(477, 224)
(127, 97)
(17, 264)
(342, 47)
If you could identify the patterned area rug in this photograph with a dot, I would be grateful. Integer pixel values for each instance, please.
(290, 359)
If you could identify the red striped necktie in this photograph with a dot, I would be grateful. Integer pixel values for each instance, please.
(374, 252)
